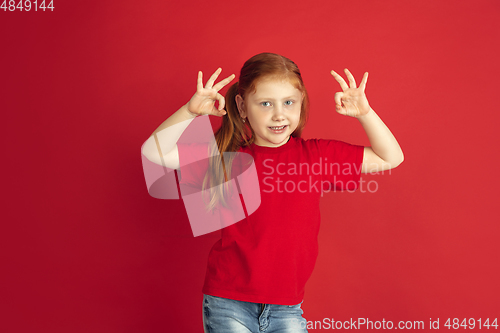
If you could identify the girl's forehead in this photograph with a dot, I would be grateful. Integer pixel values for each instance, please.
(274, 87)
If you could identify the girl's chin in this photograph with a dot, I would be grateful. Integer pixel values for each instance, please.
(272, 142)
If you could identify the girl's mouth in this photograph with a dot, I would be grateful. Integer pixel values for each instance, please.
(278, 129)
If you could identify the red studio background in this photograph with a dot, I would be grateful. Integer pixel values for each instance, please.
(84, 248)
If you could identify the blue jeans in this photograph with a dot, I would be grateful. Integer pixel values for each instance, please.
(223, 315)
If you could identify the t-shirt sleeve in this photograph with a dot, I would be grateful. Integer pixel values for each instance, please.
(342, 164)
(193, 163)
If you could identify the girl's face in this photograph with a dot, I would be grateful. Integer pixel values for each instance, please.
(273, 111)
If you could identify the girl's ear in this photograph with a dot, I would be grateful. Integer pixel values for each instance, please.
(240, 103)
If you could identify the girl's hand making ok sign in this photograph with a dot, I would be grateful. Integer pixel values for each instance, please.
(352, 100)
(203, 101)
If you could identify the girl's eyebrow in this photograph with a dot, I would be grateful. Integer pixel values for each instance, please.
(272, 99)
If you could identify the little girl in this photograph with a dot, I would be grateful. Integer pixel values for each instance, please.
(257, 271)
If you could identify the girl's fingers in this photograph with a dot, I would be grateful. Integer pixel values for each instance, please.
(222, 101)
(338, 99)
(352, 82)
(199, 85)
(212, 79)
(340, 80)
(362, 85)
(224, 82)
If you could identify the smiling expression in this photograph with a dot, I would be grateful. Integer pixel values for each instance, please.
(273, 111)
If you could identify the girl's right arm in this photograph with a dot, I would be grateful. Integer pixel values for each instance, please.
(161, 148)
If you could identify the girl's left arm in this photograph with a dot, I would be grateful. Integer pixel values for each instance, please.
(385, 152)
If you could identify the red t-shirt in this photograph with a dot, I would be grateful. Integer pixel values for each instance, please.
(268, 256)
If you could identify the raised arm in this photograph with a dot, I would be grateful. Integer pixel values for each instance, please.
(385, 152)
(161, 147)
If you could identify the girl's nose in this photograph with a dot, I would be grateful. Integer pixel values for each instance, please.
(278, 113)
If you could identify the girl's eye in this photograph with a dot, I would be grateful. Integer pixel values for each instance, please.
(288, 102)
(265, 104)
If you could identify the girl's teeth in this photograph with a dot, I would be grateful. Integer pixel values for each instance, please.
(278, 128)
